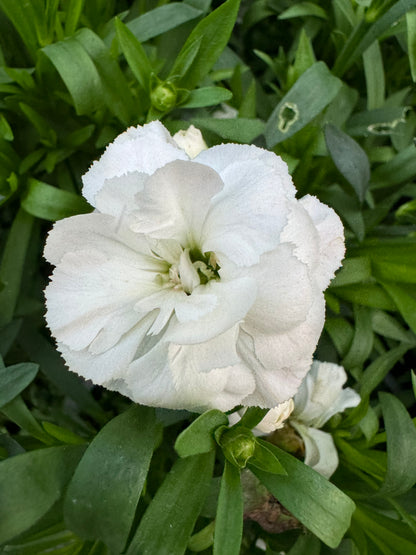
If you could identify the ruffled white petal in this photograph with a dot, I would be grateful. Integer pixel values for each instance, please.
(320, 451)
(221, 157)
(281, 361)
(174, 202)
(139, 149)
(196, 377)
(321, 394)
(241, 223)
(229, 303)
(331, 239)
(89, 291)
(100, 233)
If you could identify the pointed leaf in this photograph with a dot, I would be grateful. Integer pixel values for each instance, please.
(319, 505)
(213, 33)
(167, 524)
(229, 519)
(14, 379)
(198, 437)
(311, 93)
(265, 459)
(103, 494)
(31, 483)
(401, 447)
(349, 158)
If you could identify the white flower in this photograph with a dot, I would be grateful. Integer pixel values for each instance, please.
(319, 397)
(194, 283)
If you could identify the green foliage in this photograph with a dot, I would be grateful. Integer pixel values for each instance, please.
(329, 86)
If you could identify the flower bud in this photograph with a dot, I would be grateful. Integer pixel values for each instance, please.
(163, 97)
(238, 445)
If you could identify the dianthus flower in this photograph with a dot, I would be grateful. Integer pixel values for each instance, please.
(196, 283)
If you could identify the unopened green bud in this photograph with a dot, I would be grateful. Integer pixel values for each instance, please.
(164, 96)
(238, 445)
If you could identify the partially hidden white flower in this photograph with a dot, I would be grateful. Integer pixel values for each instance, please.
(191, 141)
(195, 283)
(320, 396)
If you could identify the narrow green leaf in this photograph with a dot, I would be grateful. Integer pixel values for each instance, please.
(365, 34)
(413, 382)
(198, 437)
(212, 33)
(31, 483)
(400, 169)
(5, 129)
(241, 130)
(411, 41)
(362, 343)
(375, 373)
(135, 54)
(26, 18)
(160, 20)
(401, 447)
(17, 411)
(79, 74)
(72, 15)
(116, 91)
(384, 270)
(207, 96)
(12, 264)
(50, 203)
(305, 57)
(167, 524)
(354, 270)
(349, 158)
(103, 494)
(404, 302)
(303, 9)
(62, 434)
(386, 533)
(14, 379)
(385, 324)
(229, 519)
(311, 93)
(365, 294)
(319, 505)
(374, 76)
(341, 333)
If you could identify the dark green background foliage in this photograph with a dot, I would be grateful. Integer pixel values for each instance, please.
(330, 87)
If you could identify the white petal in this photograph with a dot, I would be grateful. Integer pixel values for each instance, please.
(139, 149)
(275, 418)
(245, 219)
(88, 290)
(112, 365)
(175, 200)
(301, 233)
(191, 141)
(117, 195)
(321, 394)
(285, 293)
(101, 233)
(320, 451)
(229, 303)
(281, 361)
(220, 157)
(331, 236)
(173, 376)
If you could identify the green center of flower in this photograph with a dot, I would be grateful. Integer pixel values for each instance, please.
(193, 268)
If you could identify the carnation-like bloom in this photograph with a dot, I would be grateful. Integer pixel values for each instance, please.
(195, 283)
(320, 396)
